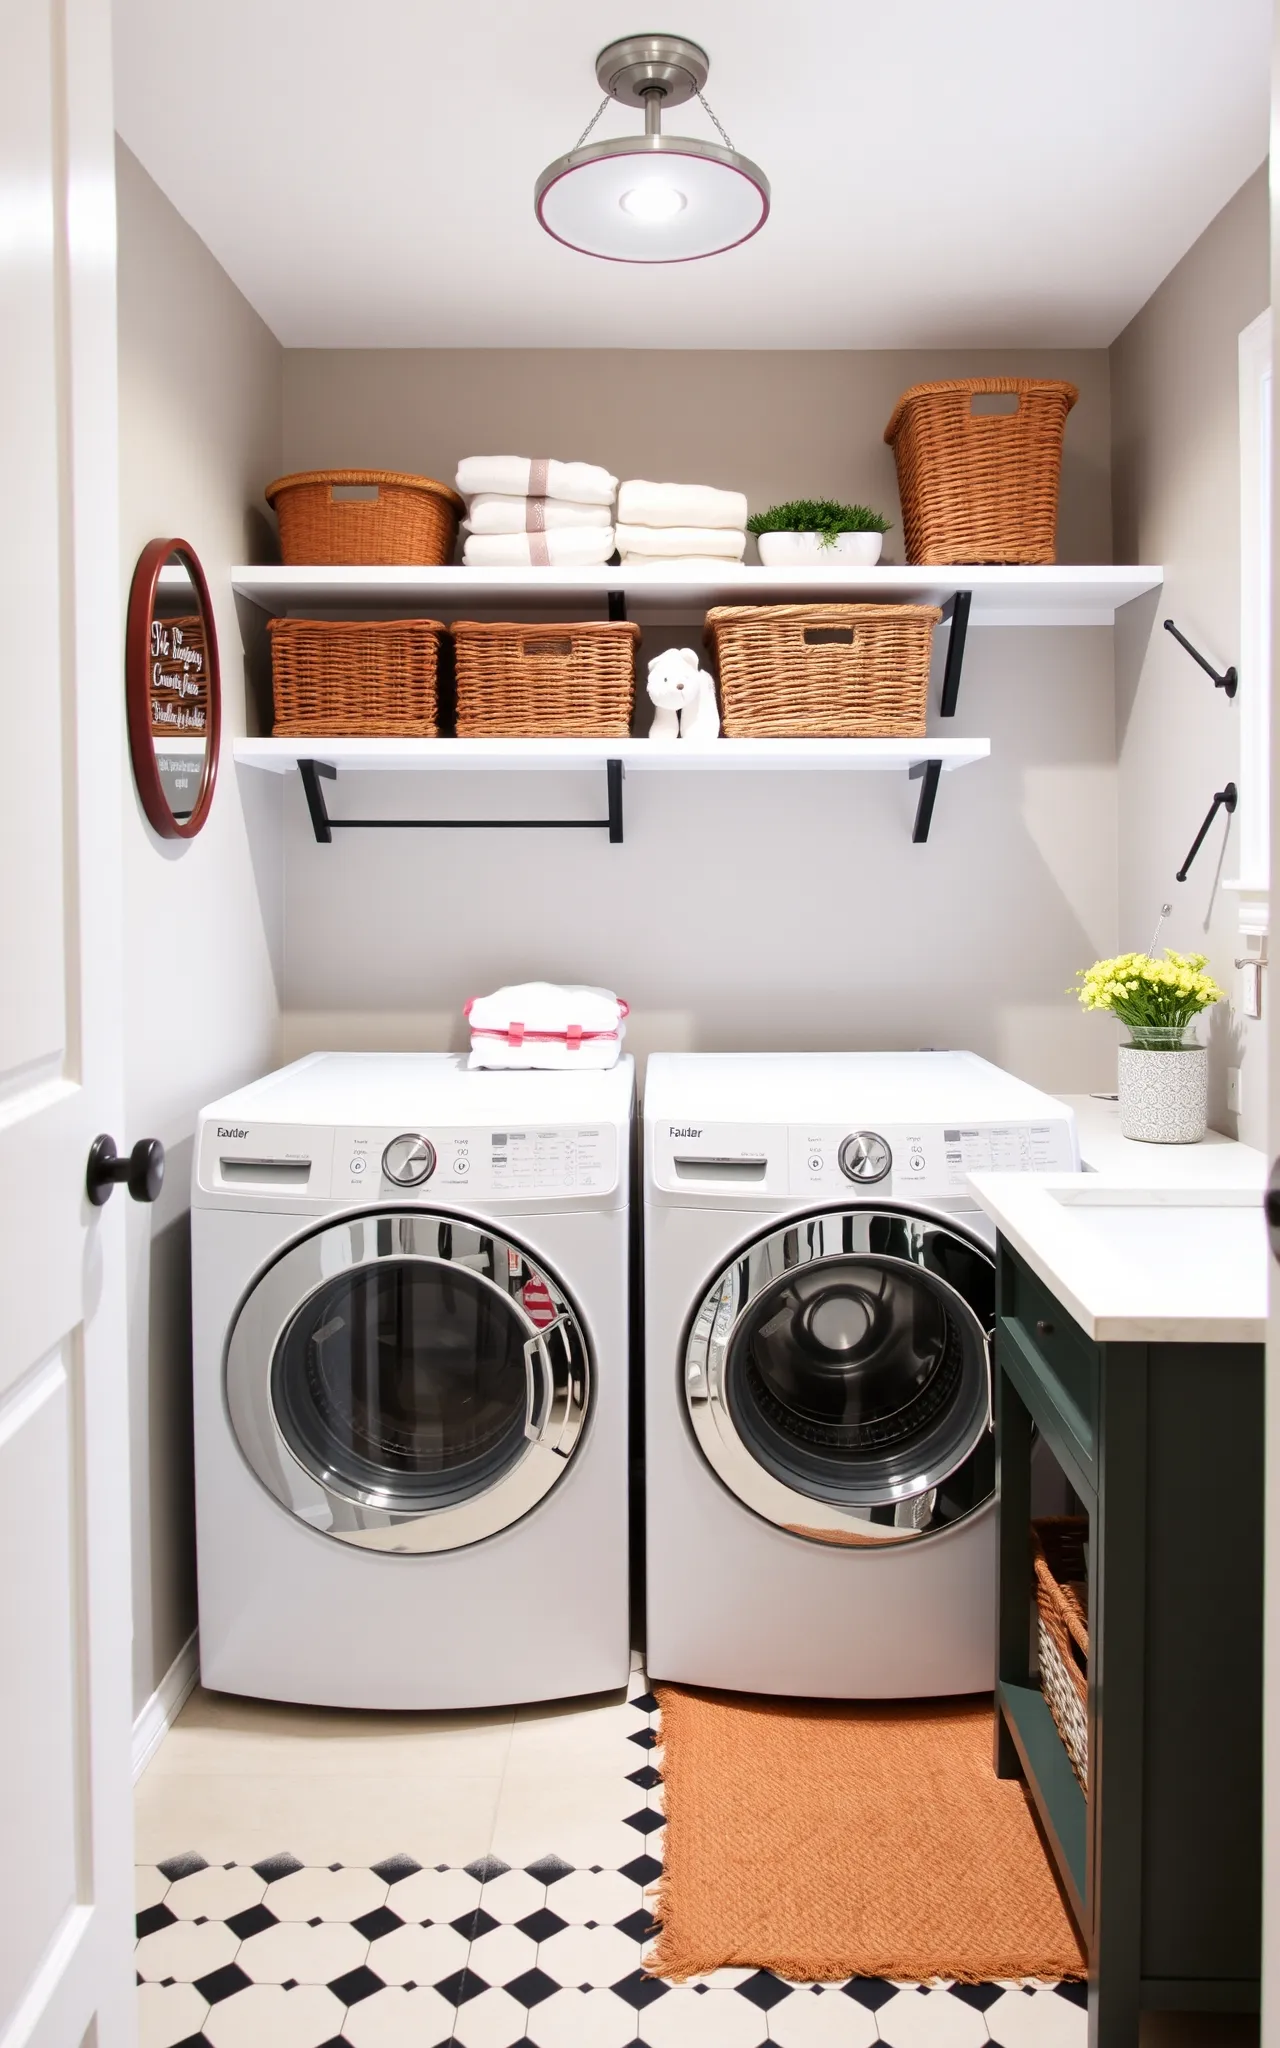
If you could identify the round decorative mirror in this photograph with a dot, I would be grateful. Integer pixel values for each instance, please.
(173, 687)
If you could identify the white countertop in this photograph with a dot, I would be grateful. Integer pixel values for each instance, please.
(1152, 1243)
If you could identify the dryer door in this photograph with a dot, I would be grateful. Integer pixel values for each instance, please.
(407, 1380)
(838, 1375)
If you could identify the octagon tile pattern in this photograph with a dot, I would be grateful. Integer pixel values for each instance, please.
(537, 1942)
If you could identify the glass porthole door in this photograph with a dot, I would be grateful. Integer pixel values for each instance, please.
(407, 1380)
(837, 1375)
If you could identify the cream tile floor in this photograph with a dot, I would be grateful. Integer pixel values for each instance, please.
(312, 1879)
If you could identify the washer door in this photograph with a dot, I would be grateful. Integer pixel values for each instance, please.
(838, 1375)
(407, 1380)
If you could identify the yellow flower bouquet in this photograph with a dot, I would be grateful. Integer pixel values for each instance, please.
(1150, 995)
(1163, 1101)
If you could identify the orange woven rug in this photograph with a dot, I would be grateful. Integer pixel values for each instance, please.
(832, 1840)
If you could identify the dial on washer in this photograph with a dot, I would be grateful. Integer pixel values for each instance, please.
(409, 1160)
(865, 1157)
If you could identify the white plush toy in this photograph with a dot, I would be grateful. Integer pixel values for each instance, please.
(684, 698)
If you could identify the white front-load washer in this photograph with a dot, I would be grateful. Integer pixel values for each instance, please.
(819, 1307)
(411, 1371)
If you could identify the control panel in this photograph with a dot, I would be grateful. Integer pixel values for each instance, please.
(537, 1162)
(926, 1161)
(534, 1163)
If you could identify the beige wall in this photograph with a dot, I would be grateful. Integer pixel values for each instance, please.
(1174, 399)
(775, 424)
(743, 911)
(200, 430)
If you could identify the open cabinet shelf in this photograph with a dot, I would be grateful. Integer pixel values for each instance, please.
(318, 762)
(1056, 595)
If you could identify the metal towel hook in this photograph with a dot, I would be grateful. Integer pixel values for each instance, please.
(1223, 800)
(1230, 682)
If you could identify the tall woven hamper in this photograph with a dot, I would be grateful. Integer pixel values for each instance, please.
(979, 485)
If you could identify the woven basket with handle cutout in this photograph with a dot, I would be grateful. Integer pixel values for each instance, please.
(546, 681)
(823, 671)
(977, 484)
(370, 678)
(368, 517)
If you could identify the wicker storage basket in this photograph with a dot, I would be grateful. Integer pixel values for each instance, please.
(980, 487)
(1062, 1629)
(410, 520)
(545, 681)
(823, 671)
(371, 678)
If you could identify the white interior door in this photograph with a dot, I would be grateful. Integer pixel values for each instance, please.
(65, 1975)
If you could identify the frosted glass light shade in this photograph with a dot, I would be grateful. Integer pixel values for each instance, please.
(652, 199)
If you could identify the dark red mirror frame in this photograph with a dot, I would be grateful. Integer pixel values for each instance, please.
(142, 600)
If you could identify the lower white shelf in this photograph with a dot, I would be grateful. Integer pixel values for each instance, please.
(406, 756)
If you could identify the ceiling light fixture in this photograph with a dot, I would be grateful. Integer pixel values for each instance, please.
(652, 198)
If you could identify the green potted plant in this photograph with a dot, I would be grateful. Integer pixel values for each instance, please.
(1163, 1076)
(818, 532)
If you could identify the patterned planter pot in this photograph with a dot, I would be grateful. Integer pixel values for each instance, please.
(1164, 1094)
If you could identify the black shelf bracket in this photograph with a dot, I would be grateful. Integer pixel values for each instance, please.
(1223, 800)
(1230, 682)
(956, 609)
(617, 606)
(325, 826)
(926, 773)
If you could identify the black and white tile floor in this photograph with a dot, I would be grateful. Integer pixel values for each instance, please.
(286, 1953)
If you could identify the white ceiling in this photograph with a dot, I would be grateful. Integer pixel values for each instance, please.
(944, 171)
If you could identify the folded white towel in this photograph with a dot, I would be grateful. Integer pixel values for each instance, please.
(569, 547)
(646, 504)
(661, 564)
(721, 543)
(544, 1024)
(492, 513)
(524, 476)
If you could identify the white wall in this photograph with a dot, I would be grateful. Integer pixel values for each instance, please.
(1175, 423)
(751, 911)
(200, 432)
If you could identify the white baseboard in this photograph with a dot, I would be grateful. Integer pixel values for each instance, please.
(165, 1704)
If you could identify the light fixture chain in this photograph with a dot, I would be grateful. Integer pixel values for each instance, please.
(594, 118)
(708, 111)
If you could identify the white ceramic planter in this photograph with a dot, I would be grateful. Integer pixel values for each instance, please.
(1164, 1096)
(805, 550)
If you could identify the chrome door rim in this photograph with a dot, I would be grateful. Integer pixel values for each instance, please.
(804, 1240)
(557, 1359)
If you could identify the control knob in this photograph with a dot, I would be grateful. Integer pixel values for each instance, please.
(865, 1157)
(409, 1160)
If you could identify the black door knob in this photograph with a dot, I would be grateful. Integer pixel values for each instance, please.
(142, 1172)
(1271, 1208)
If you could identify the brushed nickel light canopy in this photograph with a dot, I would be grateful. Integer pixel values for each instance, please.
(652, 198)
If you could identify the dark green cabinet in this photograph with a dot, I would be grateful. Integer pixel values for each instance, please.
(1163, 1444)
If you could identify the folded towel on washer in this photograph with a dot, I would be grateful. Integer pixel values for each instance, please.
(547, 1024)
(490, 512)
(569, 547)
(646, 504)
(719, 543)
(524, 476)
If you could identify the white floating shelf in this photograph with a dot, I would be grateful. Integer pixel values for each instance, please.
(1060, 595)
(408, 756)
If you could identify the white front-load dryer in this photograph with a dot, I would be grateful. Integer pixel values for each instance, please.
(819, 1308)
(410, 1303)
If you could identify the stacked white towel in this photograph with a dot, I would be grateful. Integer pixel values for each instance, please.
(684, 524)
(531, 512)
(542, 1024)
